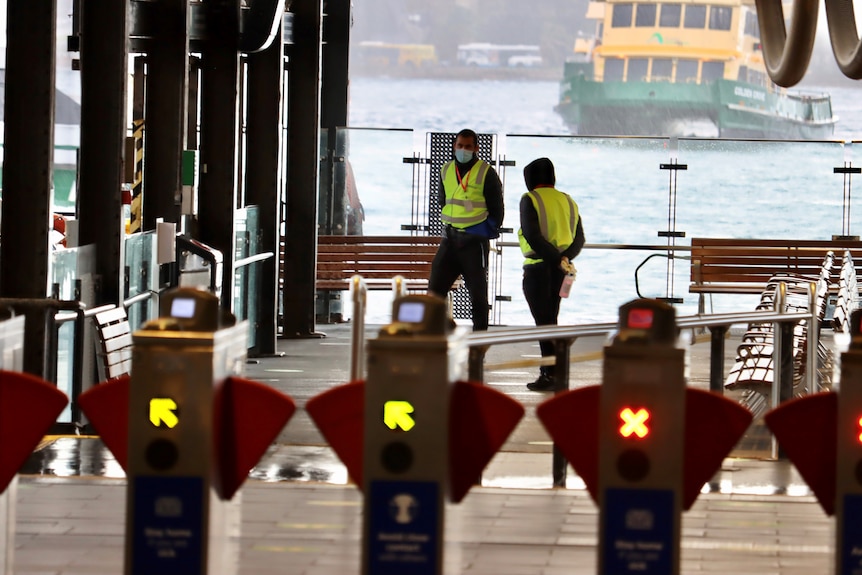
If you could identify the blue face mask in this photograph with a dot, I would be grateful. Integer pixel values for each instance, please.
(463, 155)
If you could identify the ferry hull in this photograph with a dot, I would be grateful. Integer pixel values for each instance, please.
(722, 108)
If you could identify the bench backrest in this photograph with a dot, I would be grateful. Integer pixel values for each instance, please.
(376, 258)
(113, 343)
(754, 261)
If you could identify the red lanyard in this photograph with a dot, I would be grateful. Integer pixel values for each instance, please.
(463, 183)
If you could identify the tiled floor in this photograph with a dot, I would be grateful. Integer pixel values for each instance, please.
(301, 517)
(75, 526)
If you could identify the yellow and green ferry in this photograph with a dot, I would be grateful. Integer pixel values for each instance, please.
(682, 69)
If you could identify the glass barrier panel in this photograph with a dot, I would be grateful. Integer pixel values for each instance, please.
(622, 198)
(143, 276)
(246, 278)
(761, 190)
(374, 181)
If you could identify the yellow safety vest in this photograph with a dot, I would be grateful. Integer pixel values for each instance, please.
(558, 221)
(465, 202)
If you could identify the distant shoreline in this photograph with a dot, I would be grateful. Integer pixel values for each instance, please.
(544, 74)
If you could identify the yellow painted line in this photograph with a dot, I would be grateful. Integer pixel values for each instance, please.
(592, 356)
(286, 549)
(336, 503)
(753, 546)
(311, 526)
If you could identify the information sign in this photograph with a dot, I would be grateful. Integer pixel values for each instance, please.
(851, 540)
(403, 527)
(168, 526)
(639, 531)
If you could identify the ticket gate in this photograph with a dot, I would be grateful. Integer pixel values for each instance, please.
(28, 407)
(642, 441)
(413, 435)
(822, 435)
(180, 443)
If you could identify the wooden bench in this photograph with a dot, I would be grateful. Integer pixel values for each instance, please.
(113, 343)
(723, 265)
(377, 259)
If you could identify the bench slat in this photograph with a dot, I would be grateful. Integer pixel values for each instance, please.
(377, 259)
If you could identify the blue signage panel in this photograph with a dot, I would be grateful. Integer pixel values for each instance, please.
(851, 536)
(167, 529)
(639, 532)
(403, 525)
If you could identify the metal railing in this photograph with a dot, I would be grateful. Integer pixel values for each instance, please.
(564, 336)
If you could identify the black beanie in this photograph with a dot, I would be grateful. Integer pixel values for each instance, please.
(539, 173)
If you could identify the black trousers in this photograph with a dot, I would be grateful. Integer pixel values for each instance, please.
(465, 255)
(541, 284)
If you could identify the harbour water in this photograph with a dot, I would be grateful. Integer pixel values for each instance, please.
(755, 189)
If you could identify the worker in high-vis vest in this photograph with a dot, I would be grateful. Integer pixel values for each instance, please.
(551, 236)
(470, 196)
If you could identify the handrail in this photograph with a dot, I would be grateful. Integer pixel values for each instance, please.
(252, 259)
(478, 343)
(640, 247)
(143, 296)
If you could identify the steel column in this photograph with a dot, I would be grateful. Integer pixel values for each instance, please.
(264, 125)
(28, 155)
(716, 358)
(334, 105)
(104, 76)
(303, 142)
(165, 113)
(219, 136)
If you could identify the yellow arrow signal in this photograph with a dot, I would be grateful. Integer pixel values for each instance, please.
(162, 411)
(397, 414)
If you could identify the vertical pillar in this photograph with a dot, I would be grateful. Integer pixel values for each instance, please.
(219, 136)
(28, 153)
(300, 242)
(104, 75)
(264, 126)
(334, 108)
(333, 218)
(165, 112)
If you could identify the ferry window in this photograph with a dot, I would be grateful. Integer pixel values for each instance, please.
(637, 70)
(719, 17)
(758, 78)
(752, 26)
(662, 70)
(614, 69)
(695, 16)
(686, 71)
(645, 15)
(670, 15)
(712, 71)
(622, 16)
(743, 74)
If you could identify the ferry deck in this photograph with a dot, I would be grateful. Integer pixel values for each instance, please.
(301, 515)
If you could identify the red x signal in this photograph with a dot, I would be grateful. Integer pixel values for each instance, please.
(634, 422)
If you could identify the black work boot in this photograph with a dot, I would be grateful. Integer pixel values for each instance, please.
(545, 382)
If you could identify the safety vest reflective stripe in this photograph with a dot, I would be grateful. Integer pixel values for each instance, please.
(544, 226)
(469, 208)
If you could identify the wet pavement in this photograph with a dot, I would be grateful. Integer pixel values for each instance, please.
(310, 366)
(300, 514)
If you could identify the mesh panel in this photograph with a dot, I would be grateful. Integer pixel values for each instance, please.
(440, 152)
